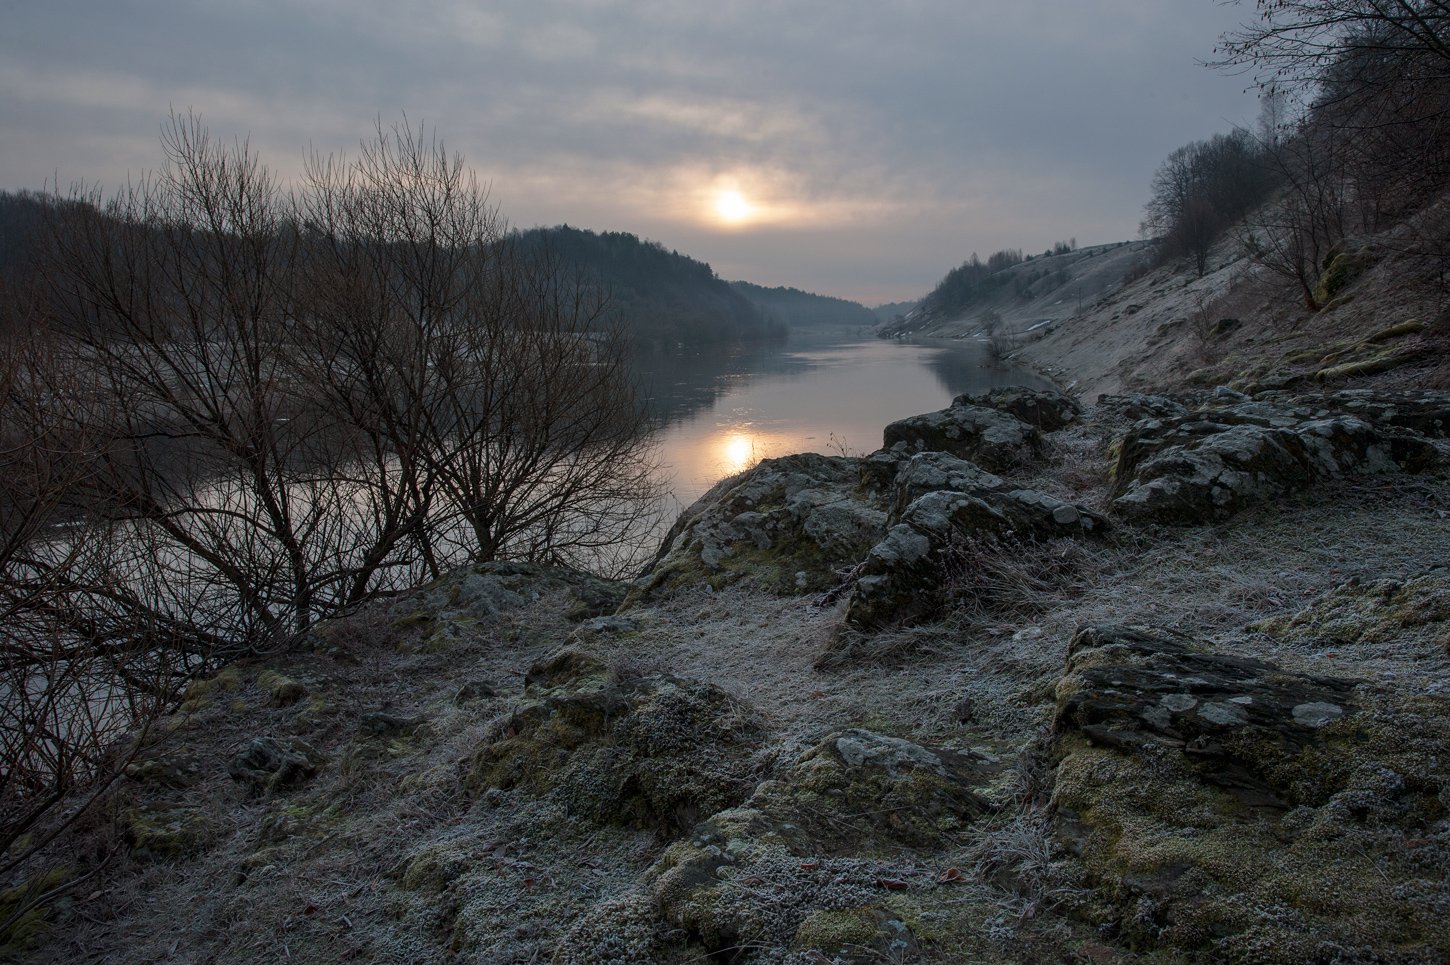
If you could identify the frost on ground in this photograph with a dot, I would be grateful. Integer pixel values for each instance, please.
(1245, 758)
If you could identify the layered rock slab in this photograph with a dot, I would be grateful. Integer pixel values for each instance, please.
(1225, 808)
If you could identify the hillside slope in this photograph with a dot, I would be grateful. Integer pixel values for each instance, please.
(1045, 289)
(1383, 323)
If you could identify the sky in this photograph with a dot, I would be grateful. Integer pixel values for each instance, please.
(857, 149)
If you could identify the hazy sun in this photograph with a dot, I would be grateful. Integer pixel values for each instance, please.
(738, 451)
(731, 207)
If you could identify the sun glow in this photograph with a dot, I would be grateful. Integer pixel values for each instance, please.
(732, 208)
(737, 453)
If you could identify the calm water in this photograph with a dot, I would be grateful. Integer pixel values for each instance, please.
(726, 409)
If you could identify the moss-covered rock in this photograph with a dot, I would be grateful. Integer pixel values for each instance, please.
(281, 690)
(816, 859)
(275, 764)
(1372, 612)
(789, 524)
(165, 833)
(1226, 809)
(1340, 272)
(27, 914)
(654, 751)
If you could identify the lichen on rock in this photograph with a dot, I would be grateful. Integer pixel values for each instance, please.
(653, 751)
(1226, 808)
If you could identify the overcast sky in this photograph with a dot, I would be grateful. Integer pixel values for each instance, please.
(869, 146)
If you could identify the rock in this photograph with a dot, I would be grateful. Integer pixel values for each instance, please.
(908, 575)
(389, 725)
(799, 867)
(1371, 612)
(655, 751)
(991, 438)
(1341, 270)
(474, 690)
(488, 590)
(789, 524)
(165, 833)
(1138, 405)
(1426, 411)
(273, 764)
(1045, 409)
(1224, 808)
(1209, 464)
(176, 769)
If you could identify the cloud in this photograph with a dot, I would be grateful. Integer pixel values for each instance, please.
(880, 143)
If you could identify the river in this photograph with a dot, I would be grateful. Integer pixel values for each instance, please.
(726, 408)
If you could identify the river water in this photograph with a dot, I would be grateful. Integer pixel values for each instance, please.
(726, 408)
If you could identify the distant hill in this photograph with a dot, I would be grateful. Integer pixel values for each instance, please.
(889, 310)
(659, 296)
(798, 309)
(1020, 291)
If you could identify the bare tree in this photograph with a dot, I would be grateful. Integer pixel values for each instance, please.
(1293, 43)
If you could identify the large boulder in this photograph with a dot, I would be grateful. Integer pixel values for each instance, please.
(790, 524)
(991, 438)
(1225, 808)
(1045, 409)
(1209, 464)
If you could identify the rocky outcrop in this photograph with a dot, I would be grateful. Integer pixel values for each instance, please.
(818, 862)
(1229, 809)
(651, 751)
(992, 438)
(789, 524)
(1209, 464)
(949, 506)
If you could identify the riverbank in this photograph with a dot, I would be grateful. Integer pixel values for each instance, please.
(1038, 684)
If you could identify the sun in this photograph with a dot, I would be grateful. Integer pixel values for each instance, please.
(732, 208)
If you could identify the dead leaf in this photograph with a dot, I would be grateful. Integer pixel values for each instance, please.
(950, 875)
(892, 884)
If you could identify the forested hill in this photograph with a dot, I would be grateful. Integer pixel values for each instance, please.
(799, 309)
(659, 295)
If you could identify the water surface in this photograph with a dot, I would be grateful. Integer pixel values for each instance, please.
(726, 408)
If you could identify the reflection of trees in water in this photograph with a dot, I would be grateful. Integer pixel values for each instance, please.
(965, 367)
(682, 380)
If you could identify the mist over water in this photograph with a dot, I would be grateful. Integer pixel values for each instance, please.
(815, 393)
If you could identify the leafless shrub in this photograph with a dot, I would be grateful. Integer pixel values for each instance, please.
(988, 576)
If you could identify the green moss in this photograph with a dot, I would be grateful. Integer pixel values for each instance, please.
(1341, 271)
(165, 833)
(25, 931)
(281, 690)
(835, 930)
